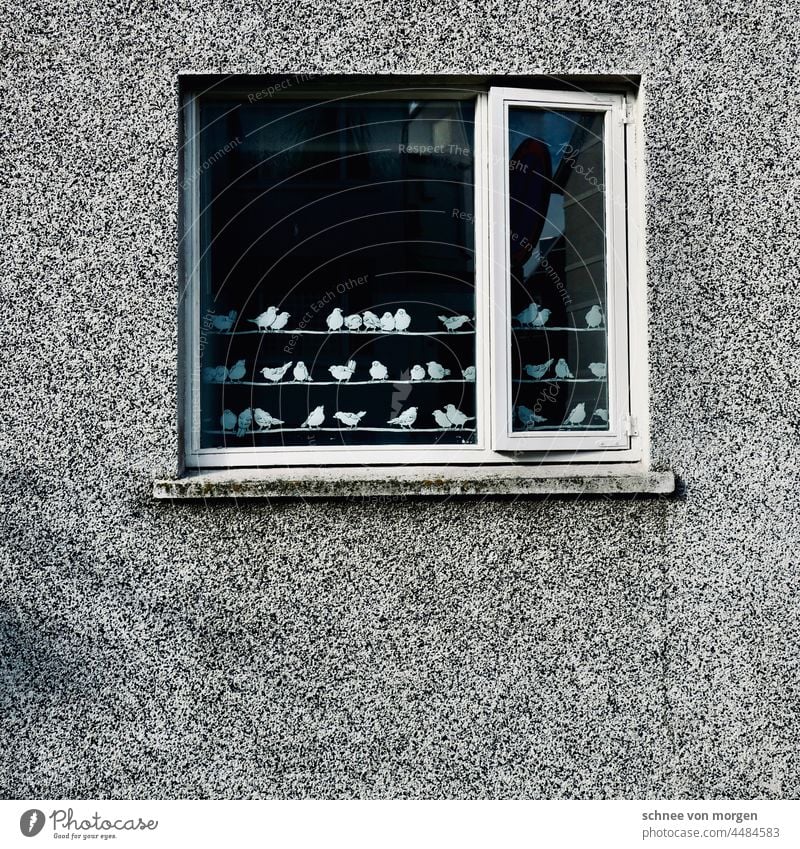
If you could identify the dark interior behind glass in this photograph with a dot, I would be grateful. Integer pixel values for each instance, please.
(356, 204)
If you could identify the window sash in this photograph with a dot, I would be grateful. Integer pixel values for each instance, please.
(612, 106)
(495, 440)
(197, 457)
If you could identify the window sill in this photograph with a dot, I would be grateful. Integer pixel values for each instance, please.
(416, 481)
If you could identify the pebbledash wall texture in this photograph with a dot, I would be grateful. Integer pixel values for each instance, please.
(555, 647)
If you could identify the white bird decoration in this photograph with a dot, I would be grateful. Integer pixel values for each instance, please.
(343, 373)
(528, 315)
(371, 321)
(335, 320)
(437, 371)
(353, 322)
(539, 371)
(402, 320)
(598, 369)
(264, 420)
(457, 417)
(594, 318)
(315, 418)
(228, 420)
(224, 322)
(245, 422)
(528, 417)
(601, 414)
(215, 375)
(378, 371)
(453, 322)
(300, 372)
(577, 416)
(441, 419)
(405, 419)
(542, 318)
(264, 321)
(276, 374)
(469, 374)
(387, 322)
(281, 320)
(562, 369)
(351, 420)
(418, 373)
(237, 371)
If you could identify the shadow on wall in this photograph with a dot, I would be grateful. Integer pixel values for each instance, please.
(449, 653)
(63, 659)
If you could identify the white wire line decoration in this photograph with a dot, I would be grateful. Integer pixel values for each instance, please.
(560, 427)
(397, 324)
(345, 429)
(344, 332)
(540, 329)
(254, 420)
(237, 430)
(234, 376)
(427, 382)
(564, 380)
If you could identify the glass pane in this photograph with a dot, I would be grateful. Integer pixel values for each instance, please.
(337, 273)
(557, 250)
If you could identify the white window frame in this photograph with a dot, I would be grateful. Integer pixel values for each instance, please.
(494, 445)
(616, 318)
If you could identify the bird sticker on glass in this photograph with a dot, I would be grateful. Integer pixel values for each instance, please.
(557, 270)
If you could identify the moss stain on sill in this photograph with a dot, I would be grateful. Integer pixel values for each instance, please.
(311, 483)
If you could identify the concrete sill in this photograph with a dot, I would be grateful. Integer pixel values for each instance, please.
(416, 481)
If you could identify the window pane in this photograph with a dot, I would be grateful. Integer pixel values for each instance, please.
(338, 272)
(558, 270)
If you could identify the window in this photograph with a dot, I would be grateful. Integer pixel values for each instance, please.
(393, 274)
(559, 238)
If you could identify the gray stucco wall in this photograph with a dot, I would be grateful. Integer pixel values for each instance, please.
(557, 647)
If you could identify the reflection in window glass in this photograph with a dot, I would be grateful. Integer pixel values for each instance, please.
(558, 270)
(337, 272)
